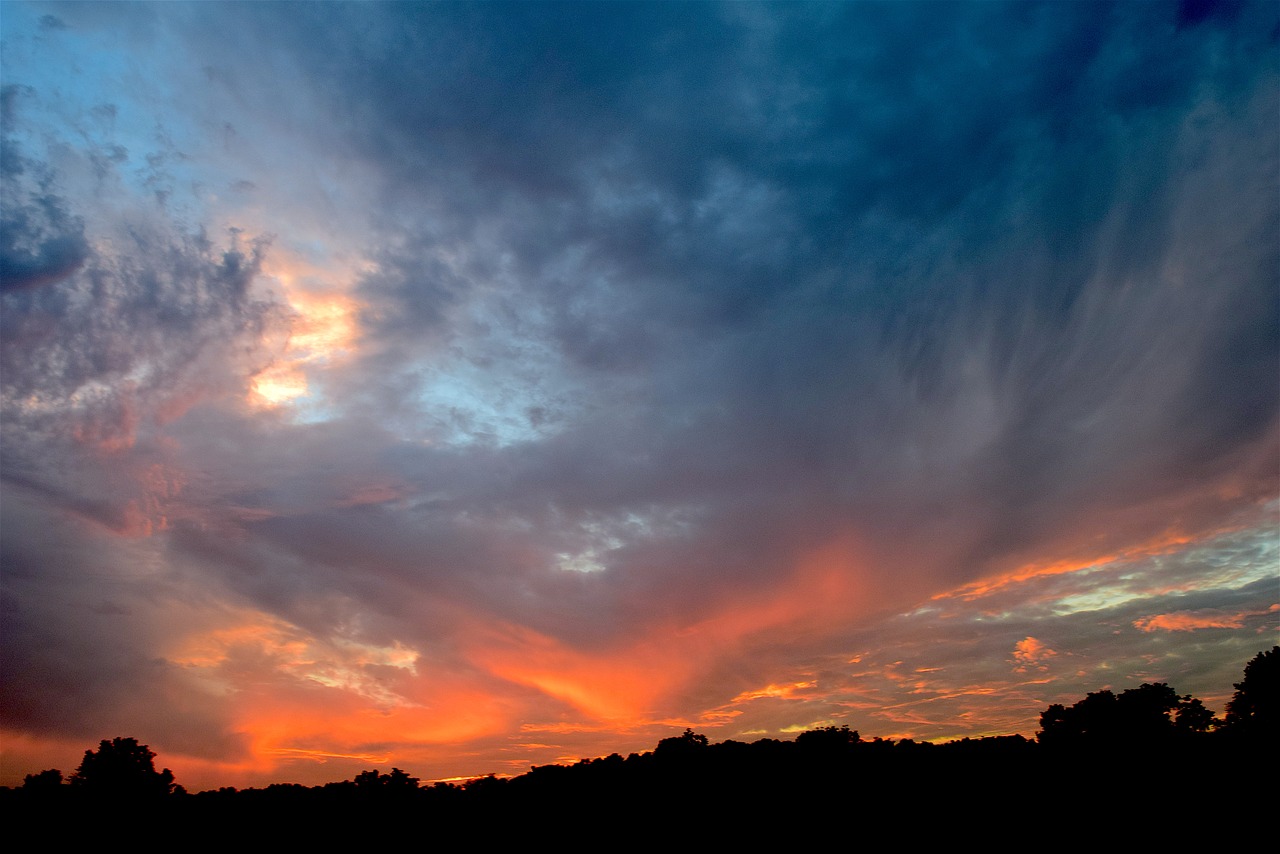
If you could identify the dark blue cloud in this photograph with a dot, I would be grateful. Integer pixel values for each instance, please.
(41, 242)
(821, 251)
(1193, 12)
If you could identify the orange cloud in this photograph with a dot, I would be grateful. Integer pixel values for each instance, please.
(632, 682)
(779, 691)
(298, 698)
(1168, 542)
(1031, 652)
(1189, 621)
(628, 686)
(617, 685)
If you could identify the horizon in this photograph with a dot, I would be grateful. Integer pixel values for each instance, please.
(465, 387)
(1173, 720)
(1161, 715)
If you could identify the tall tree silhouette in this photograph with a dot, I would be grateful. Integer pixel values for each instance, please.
(1254, 709)
(681, 747)
(122, 768)
(1194, 717)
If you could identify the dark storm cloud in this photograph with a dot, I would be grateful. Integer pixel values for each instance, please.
(54, 259)
(922, 274)
(40, 241)
(1193, 12)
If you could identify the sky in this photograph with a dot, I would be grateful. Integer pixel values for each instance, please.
(462, 387)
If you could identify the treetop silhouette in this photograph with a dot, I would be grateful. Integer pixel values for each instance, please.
(1151, 712)
(123, 768)
(1254, 709)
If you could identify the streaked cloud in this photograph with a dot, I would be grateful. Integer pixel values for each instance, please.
(1187, 621)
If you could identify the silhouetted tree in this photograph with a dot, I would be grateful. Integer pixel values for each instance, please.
(123, 767)
(1192, 716)
(1146, 711)
(828, 738)
(1254, 709)
(1137, 714)
(45, 781)
(681, 746)
(1093, 718)
(399, 780)
(395, 783)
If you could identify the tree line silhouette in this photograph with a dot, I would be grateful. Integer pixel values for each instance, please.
(1122, 762)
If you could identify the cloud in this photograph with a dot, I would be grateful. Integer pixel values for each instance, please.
(1189, 622)
(54, 259)
(1030, 652)
(40, 241)
(113, 325)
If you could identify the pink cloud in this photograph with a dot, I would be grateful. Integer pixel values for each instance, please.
(1031, 652)
(1190, 621)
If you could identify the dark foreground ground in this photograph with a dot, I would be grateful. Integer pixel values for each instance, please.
(829, 792)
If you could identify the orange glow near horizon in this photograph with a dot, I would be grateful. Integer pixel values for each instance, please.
(292, 697)
(309, 707)
(632, 682)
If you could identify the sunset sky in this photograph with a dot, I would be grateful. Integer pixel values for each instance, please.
(465, 387)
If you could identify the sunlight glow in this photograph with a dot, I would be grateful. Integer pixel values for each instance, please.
(274, 647)
(780, 691)
(322, 332)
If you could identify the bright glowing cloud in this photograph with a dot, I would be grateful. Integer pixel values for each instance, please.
(1030, 652)
(1189, 622)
